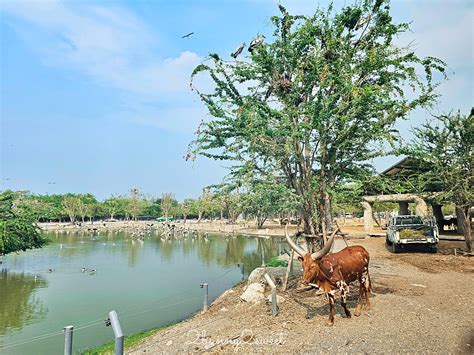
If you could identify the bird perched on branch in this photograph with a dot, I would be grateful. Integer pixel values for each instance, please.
(257, 41)
(237, 51)
(188, 35)
(362, 21)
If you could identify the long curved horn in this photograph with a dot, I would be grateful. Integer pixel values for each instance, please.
(320, 253)
(292, 244)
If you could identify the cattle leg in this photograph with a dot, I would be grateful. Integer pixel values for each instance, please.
(331, 307)
(359, 300)
(343, 302)
(368, 289)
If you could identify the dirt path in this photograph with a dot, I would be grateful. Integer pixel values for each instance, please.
(420, 303)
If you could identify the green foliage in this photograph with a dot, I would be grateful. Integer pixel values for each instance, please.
(18, 230)
(153, 208)
(275, 262)
(114, 206)
(263, 200)
(132, 340)
(317, 102)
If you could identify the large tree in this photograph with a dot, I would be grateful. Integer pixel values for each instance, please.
(167, 203)
(263, 200)
(445, 147)
(70, 204)
(316, 102)
(135, 203)
(18, 229)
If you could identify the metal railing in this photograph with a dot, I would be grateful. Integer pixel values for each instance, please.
(114, 322)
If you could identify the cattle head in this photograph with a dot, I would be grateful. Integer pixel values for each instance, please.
(310, 261)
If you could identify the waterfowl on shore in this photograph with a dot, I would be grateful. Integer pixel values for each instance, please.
(92, 272)
(50, 270)
(83, 269)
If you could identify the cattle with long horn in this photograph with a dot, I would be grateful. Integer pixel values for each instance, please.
(335, 271)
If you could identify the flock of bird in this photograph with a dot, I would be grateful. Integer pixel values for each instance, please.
(83, 270)
(167, 232)
(257, 41)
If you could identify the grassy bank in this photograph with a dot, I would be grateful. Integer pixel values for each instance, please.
(131, 341)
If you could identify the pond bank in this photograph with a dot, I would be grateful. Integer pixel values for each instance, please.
(354, 229)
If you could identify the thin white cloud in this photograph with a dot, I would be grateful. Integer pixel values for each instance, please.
(109, 44)
(116, 50)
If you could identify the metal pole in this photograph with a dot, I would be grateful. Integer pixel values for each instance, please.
(274, 295)
(263, 253)
(242, 270)
(205, 286)
(68, 339)
(117, 328)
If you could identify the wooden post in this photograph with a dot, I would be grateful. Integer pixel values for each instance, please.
(289, 270)
(274, 295)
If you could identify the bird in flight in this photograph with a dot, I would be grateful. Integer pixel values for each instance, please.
(188, 35)
(51, 183)
(238, 50)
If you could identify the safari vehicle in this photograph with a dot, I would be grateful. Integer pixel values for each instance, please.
(165, 219)
(403, 231)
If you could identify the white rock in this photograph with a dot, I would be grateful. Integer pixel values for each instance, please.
(254, 293)
(275, 273)
(280, 299)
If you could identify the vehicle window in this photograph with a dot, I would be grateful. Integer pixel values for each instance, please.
(409, 220)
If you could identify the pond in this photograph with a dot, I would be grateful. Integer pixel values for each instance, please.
(150, 283)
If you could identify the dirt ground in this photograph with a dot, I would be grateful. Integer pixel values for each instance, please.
(421, 303)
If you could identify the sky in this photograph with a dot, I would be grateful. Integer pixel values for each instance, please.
(95, 97)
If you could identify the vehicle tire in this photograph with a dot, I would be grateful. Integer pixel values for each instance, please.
(434, 248)
(387, 241)
(395, 248)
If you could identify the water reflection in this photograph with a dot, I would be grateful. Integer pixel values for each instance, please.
(18, 303)
(225, 251)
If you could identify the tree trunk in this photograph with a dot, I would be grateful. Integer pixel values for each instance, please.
(328, 212)
(438, 213)
(260, 221)
(464, 220)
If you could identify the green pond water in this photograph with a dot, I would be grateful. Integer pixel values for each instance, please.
(150, 283)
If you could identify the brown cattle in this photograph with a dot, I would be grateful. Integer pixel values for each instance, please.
(335, 271)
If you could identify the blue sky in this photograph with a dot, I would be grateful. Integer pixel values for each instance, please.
(95, 94)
